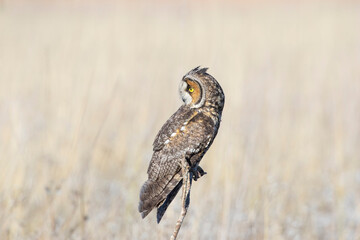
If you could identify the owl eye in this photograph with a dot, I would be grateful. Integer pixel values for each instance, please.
(191, 89)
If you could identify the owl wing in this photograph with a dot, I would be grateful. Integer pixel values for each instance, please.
(175, 122)
(188, 138)
(185, 140)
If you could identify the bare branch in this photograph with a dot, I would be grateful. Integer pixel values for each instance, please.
(185, 198)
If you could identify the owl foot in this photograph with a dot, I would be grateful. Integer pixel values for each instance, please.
(197, 172)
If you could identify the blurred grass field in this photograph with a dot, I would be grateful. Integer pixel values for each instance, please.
(85, 89)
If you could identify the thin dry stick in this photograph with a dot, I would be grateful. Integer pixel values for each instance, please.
(187, 177)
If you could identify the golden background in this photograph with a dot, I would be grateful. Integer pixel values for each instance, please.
(85, 87)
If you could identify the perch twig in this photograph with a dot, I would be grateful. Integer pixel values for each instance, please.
(185, 199)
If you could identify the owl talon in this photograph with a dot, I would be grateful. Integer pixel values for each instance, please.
(201, 171)
(197, 172)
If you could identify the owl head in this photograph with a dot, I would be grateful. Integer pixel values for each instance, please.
(198, 88)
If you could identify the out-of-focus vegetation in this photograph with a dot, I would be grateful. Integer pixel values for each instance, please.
(84, 90)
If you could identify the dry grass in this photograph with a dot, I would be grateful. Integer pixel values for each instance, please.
(84, 91)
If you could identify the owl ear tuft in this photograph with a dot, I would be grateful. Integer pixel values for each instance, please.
(202, 70)
(197, 70)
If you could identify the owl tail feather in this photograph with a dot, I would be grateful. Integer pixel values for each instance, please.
(162, 209)
(149, 197)
(155, 193)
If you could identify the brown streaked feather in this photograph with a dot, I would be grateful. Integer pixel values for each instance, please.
(153, 193)
(175, 122)
(162, 208)
(164, 168)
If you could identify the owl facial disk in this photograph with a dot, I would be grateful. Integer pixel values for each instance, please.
(184, 93)
(192, 92)
(195, 91)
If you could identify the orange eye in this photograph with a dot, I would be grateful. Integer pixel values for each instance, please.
(191, 89)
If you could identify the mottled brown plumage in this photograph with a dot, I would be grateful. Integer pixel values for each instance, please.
(187, 135)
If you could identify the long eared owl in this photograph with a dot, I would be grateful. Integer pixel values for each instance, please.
(187, 134)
